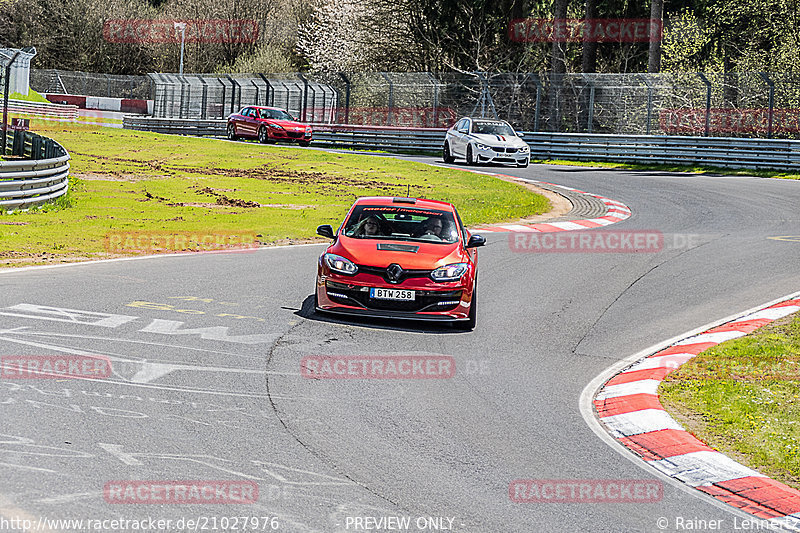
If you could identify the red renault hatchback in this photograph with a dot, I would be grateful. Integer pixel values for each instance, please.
(400, 258)
(268, 125)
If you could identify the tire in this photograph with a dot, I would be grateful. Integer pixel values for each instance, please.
(470, 161)
(304, 144)
(232, 133)
(446, 155)
(263, 136)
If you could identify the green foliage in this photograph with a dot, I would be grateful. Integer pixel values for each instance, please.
(32, 96)
(733, 35)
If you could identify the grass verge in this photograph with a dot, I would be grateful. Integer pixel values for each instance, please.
(32, 96)
(742, 397)
(124, 180)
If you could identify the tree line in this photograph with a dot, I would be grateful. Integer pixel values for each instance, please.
(410, 35)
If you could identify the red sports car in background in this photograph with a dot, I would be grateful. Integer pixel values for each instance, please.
(400, 258)
(268, 125)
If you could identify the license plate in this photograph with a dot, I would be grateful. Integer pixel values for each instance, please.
(391, 294)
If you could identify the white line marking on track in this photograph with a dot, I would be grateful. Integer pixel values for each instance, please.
(703, 468)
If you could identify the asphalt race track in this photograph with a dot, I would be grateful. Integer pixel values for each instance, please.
(228, 402)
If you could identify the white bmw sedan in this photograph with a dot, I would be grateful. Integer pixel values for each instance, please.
(480, 140)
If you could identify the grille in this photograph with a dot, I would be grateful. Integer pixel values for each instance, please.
(425, 300)
(404, 276)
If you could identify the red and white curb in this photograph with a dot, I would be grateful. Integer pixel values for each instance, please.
(617, 212)
(628, 407)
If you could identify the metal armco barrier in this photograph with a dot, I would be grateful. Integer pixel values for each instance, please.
(667, 150)
(643, 149)
(38, 173)
(42, 109)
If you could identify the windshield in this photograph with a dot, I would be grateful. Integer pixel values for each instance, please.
(493, 128)
(401, 223)
(277, 114)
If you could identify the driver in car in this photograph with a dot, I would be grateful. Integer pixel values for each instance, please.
(432, 227)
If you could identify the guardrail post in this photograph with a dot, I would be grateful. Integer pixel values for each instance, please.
(5, 96)
(222, 105)
(18, 143)
(391, 99)
(771, 85)
(270, 98)
(590, 111)
(435, 85)
(204, 102)
(234, 85)
(708, 99)
(539, 88)
(305, 95)
(646, 80)
(346, 97)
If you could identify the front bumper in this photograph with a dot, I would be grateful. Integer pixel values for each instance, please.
(289, 136)
(353, 297)
(502, 155)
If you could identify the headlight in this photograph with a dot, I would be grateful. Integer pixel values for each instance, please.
(340, 264)
(482, 147)
(452, 272)
(274, 126)
(308, 131)
(525, 148)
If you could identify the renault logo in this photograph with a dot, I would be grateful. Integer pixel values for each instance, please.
(393, 272)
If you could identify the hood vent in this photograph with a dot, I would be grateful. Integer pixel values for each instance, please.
(392, 247)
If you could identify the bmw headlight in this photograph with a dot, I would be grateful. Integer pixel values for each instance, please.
(340, 264)
(525, 148)
(482, 147)
(452, 272)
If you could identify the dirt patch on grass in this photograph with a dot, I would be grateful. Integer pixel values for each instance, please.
(271, 174)
(115, 176)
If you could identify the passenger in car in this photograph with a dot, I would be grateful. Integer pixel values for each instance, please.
(369, 227)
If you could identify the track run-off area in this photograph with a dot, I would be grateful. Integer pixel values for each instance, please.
(206, 353)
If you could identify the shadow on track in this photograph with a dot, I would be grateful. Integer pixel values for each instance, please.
(308, 312)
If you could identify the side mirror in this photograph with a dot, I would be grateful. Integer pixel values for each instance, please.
(475, 241)
(520, 133)
(326, 230)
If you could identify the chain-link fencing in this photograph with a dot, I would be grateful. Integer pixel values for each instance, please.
(53, 81)
(738, 104)
(749, 104)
